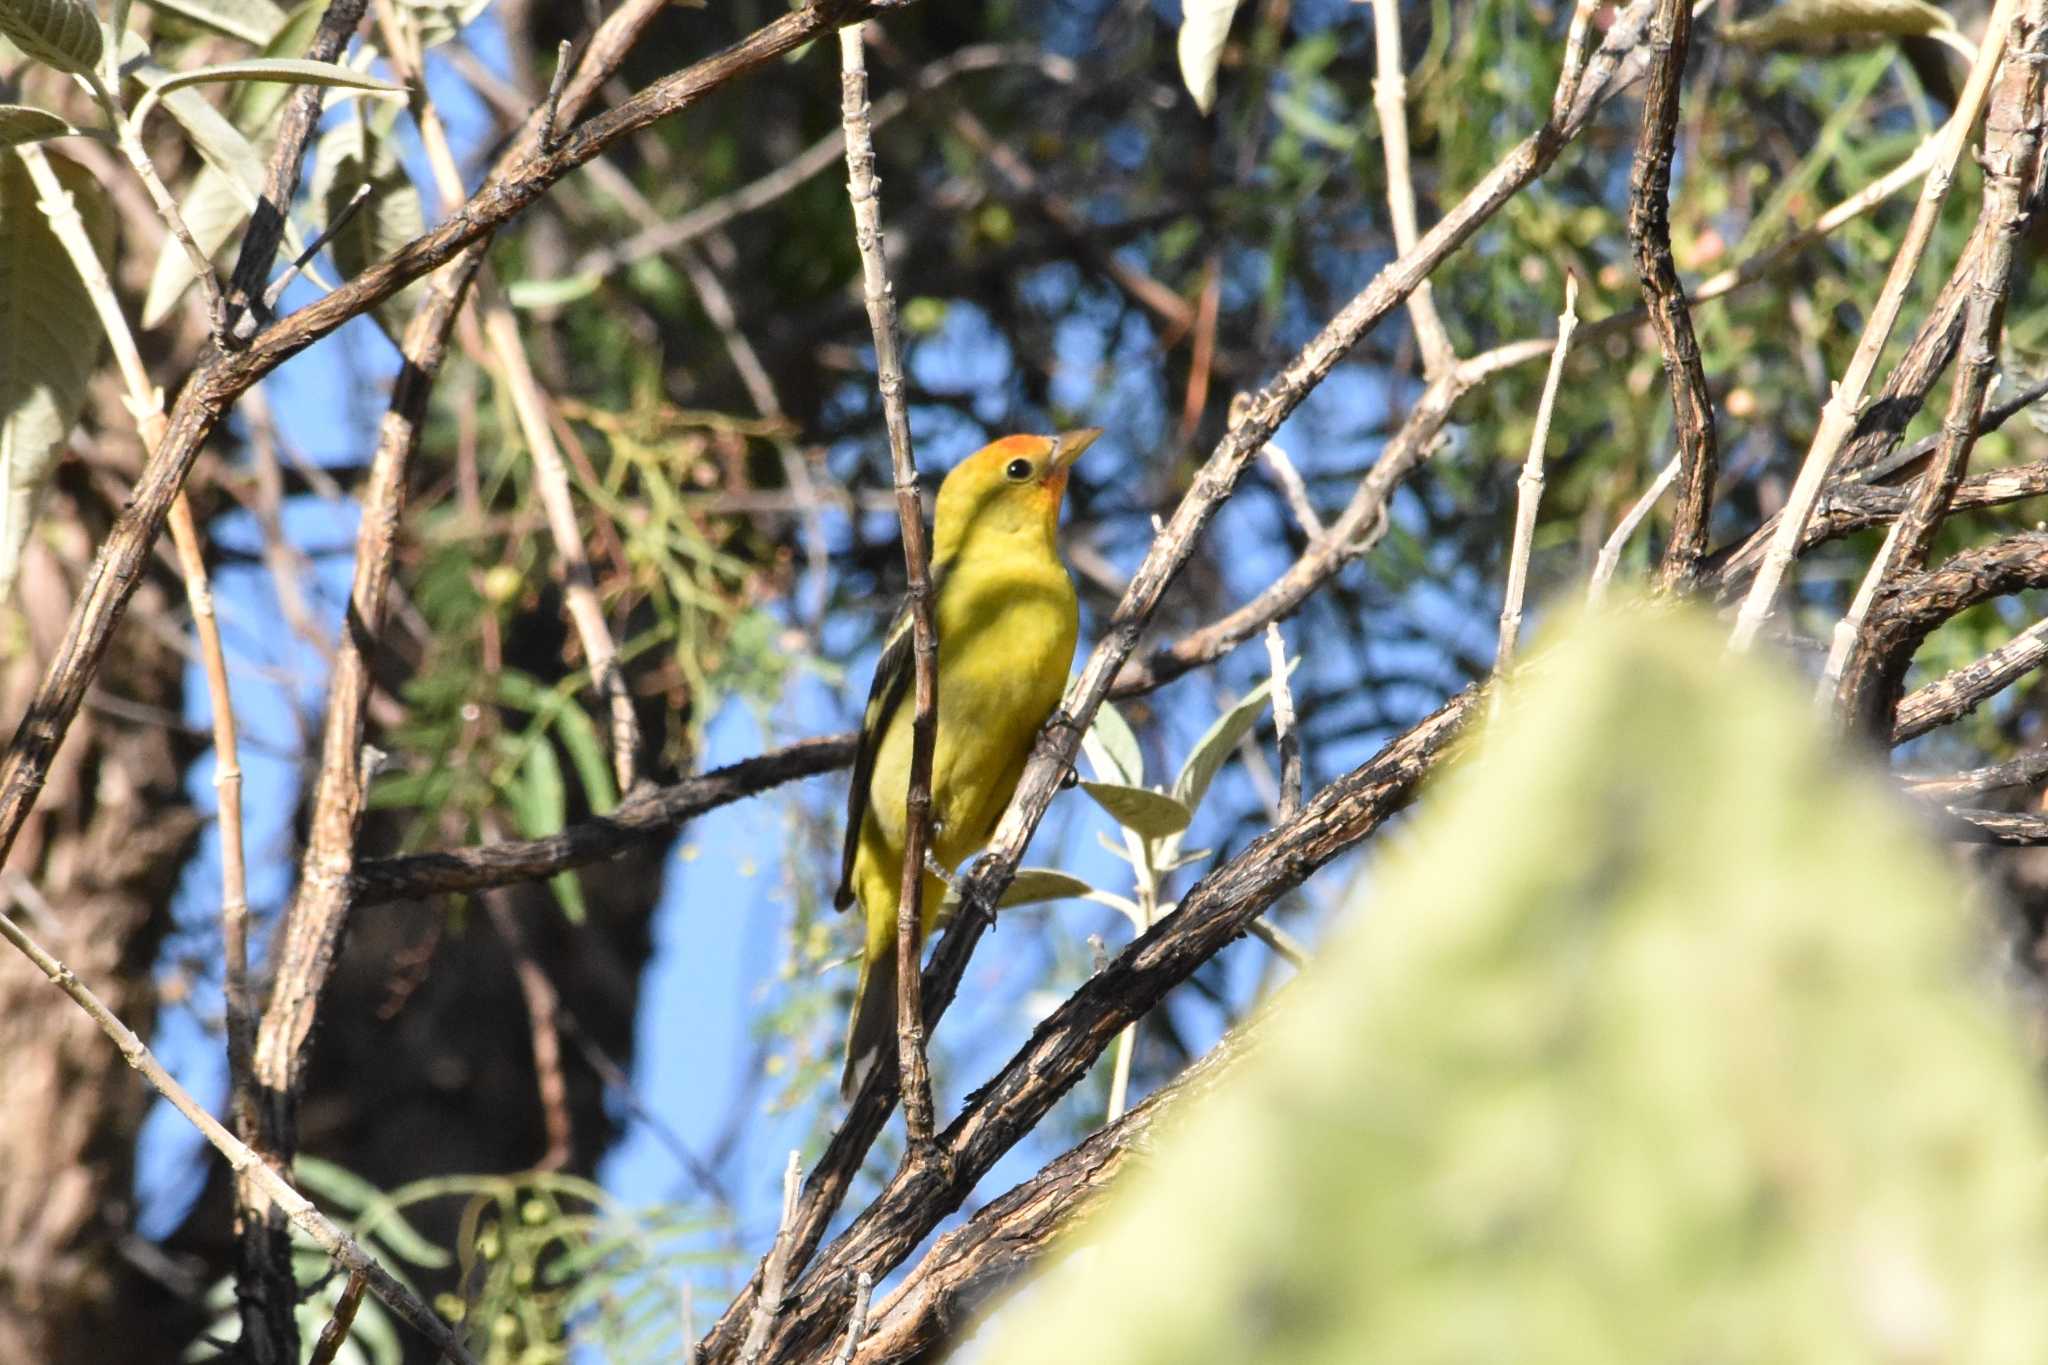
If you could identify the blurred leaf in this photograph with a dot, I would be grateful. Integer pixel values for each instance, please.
(370, 1211)
(20, 123)
(1033, 885)
(540, 804)
(255, 22)
(588, 754)
(441, 20)
(1219, 741)
(1662, 1028)
(49, 341)
(1204, 26)
(64, 34)
(1152, 814)
(551, 293)
(1803, 20)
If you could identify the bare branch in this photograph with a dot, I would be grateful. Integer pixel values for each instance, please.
(245, 1162)
(1649, 231)
(865, 191)
(1839, 416)
(1529, 488)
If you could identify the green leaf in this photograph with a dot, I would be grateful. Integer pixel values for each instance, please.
(64, 34)
(21, 123)
(1034, 885)
(587, 754)
(290, 71)
(370, 1210)
(353, 154)
(1154, 815)
(1204, 26)
(1803, 20)
(1597, 1069)
(540, 804)
(255, 22)
(1217, 743)
(551, 293)
(1120, 759)
(49, 340)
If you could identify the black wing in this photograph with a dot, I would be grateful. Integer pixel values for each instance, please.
(894, 672)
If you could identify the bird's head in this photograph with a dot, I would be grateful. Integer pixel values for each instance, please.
(1010, 488)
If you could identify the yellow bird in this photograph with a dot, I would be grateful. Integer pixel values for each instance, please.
(1006, 617)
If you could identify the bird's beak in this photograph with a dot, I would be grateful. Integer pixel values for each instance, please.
(1067, 447)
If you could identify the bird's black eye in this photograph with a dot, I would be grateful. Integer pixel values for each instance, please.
(1019, 470)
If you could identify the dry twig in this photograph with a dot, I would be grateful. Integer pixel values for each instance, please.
(1838, 418)
(865, 191)
(1529, 487)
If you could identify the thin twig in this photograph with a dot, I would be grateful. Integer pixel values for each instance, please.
(1285, 735)
(1529, 487)
(145, 404)
(857, 1322)
(1390, 103)
(335, 1333)
(1649, 231)
(1838, 417)
(1610, 553)
(130, 143)
(550, 108)
(335, 224)
(2011, 152)
(245, 1163)
(864, 190)
(775, 1278)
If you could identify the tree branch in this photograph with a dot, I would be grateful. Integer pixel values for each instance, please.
(1649, 232)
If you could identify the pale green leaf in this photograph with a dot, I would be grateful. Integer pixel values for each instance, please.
(1806, 20)
(551, 293)
(351, 155)
(64, 34)
(441, 20)
(540, 804)
(255, 22)
(49, 340)
(1033, 885)
(252, 103)
(1218, 742)
(1154, 815)
(1119, 746)
(1204, 26)
(588, 755)
(370, 1211)
(288, 71)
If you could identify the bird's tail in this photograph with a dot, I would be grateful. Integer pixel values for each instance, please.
(872, 1033)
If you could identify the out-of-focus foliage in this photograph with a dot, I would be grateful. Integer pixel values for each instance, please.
(1663, 1034)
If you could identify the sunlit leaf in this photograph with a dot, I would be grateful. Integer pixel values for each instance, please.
(1155, 815)
(1204, 26)
(49, 340)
